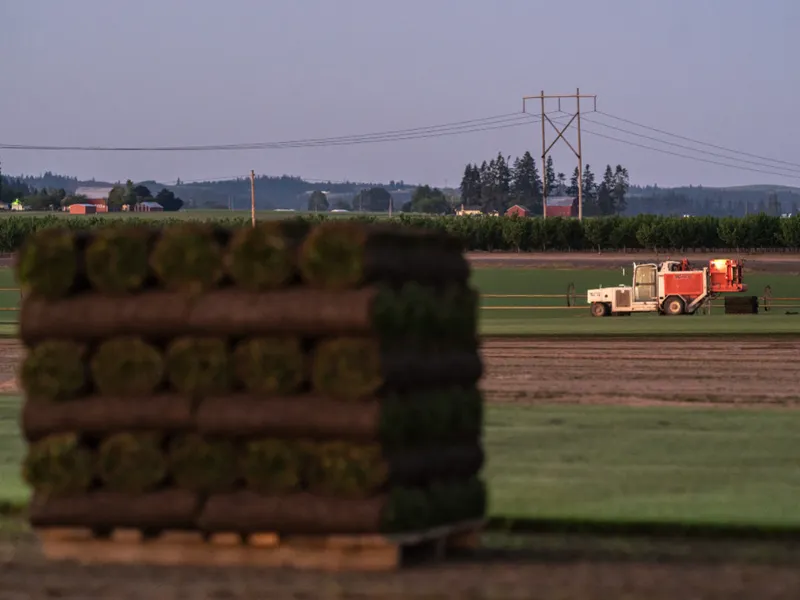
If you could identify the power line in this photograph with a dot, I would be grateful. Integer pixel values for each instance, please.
(432, 131)
(695, 141)
(678, 154)
(685, 147)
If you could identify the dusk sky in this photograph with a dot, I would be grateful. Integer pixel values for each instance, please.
(189, 72)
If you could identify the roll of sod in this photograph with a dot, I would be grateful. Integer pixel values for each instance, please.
(340, 255)
(270, 365)
(198, 366)
(49, 263)
(264, 257)
(127, 366)
(348, 368)
(163, 509)
(457, 500)
(355, 368)
(189, 257)
(274, 466)
(203, 465)
(346, 470)
(400, 510)
(132, 463)
(117, 259)
(58, 465)
(103, 415)
(54, 370)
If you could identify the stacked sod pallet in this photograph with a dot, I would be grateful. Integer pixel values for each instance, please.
(276, 378)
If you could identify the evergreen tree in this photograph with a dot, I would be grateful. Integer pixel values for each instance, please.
(471, 186)
(605, 198)
(526, 188)
(550, 176)
(561, 184)
(501, 184)
(589, 191)
(487, 184)
(572, 188)
(620, 189)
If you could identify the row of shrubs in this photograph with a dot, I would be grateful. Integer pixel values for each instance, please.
(643, 232)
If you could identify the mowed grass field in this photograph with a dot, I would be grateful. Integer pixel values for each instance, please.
(521, 316)
(604, 464)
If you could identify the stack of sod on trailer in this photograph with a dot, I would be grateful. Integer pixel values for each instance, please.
(278, 378)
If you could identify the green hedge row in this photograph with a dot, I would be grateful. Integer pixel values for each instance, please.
(643, 232)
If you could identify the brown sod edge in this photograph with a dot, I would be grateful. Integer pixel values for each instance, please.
(158, 314)
(100, 415)
(230, 312)
(167, 509)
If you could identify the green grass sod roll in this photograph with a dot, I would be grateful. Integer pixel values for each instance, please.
(344, 469)
(198, 365)
(54, 370)
(270, 365)
(117, 259)
(274, 466)
(334, 255)
(58, 465)
(347, 368)
(127, 366)
(202, 465)
(405, 510)
(457, 500)
(264, 257)
(48, 263)
(467, 413)
(132, 463)
(189, 257)
(476, 499)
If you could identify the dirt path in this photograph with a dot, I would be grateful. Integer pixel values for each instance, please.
(764, 263)
(640, 371)
(505, 575)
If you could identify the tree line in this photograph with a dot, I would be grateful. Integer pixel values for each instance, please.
(496, 185)
(487, 233)
(13, 189)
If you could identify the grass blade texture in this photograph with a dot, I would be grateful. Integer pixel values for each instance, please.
(270, 365)
(58, 465)
(48, 263)
(264, 257)
(274, 466)
(127, 366)
(347, 368)
(198, 366)
(189, 257)
(132, 463)
(346, 469)
(201, 465)
(117, 259)
(54, 370)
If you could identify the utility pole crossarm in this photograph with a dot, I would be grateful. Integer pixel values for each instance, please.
(576, 116)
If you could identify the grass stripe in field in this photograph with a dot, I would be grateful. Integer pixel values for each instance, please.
(645, 465)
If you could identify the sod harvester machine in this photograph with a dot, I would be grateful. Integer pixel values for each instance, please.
(670, 288)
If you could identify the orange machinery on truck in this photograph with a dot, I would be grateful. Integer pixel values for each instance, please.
(670, 288)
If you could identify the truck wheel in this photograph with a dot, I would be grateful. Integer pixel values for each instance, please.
(674, 306)
(599, 309)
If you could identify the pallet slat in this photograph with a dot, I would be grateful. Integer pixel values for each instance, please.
(266, 549)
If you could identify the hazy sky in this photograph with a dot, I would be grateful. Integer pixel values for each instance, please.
(183, 72)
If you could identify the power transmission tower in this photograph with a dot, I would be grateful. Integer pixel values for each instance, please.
(576, 116)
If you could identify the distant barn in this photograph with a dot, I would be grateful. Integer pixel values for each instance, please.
(95, 195)
(517, 211)
(83, 209)
(562, 206)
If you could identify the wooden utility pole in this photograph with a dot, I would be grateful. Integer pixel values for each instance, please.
(546, 149)
(253, 197)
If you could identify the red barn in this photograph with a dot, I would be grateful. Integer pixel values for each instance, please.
(82, 209)
(517, 211)
(562, 206)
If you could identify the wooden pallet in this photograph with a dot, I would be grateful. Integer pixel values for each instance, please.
(320, 552)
